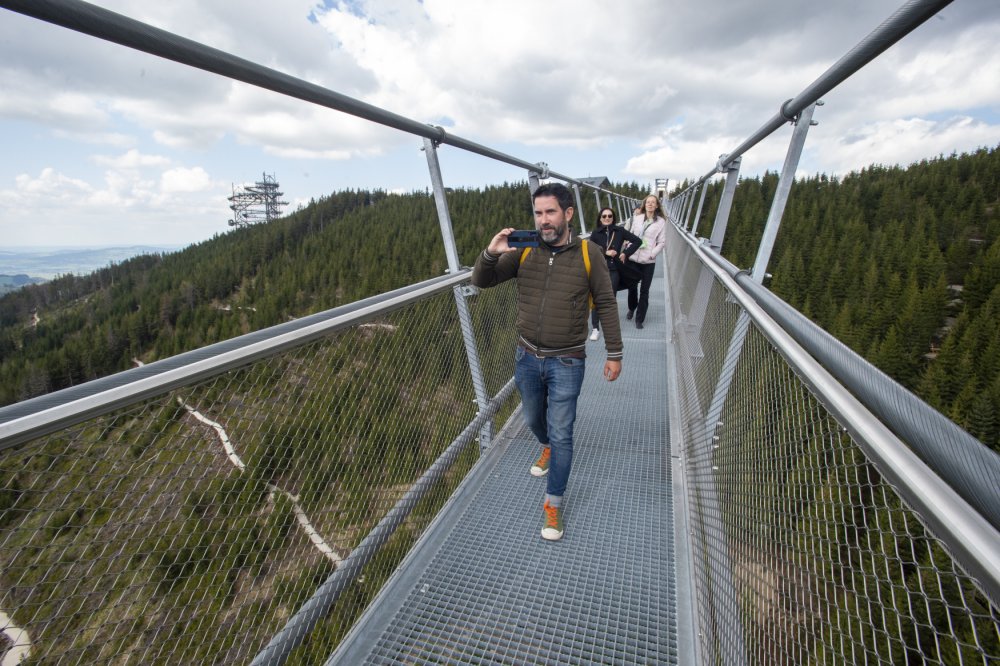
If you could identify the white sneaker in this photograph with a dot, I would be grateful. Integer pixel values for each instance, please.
(596, 333)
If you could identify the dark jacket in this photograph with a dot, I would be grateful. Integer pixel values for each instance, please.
(553, 297)
(613, 237)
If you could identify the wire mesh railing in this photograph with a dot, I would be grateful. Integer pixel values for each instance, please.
(802, 550)
(192, 525)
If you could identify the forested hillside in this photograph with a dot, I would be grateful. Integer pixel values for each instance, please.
(902, 264)
(339, 249)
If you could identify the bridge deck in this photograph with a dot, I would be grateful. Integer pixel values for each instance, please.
(483, 587)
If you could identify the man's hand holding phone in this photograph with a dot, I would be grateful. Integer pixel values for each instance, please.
(510, 240)
(523, 238)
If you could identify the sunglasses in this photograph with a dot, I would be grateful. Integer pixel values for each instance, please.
(610, 217)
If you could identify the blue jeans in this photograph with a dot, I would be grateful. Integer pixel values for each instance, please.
(549, 389)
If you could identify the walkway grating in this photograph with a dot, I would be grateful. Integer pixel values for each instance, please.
(483, 587)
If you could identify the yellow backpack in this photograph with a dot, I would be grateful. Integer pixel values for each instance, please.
(586, 263)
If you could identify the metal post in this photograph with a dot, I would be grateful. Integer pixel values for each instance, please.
(688, 205)
(579, 209)
(701, 204)
(721, 570)
(785, 181)
(597, 198)
(461, 292)
(725, 204)
(726, 601)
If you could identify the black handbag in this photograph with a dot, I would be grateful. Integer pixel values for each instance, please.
(628, 274)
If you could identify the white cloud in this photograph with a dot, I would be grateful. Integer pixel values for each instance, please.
(49, 183)
(185, 180)
(132, 159)
(634, 90)
(904, 141)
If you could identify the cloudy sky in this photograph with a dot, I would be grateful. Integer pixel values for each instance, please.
(108, 146)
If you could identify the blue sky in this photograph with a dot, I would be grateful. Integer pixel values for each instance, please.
(108, 146)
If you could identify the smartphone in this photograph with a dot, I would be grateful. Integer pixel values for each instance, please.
(523, 238)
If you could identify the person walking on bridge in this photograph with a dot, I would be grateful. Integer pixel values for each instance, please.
(651, 226)
(554, 285)
(618, 243)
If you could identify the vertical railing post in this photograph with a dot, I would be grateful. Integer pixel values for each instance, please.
(681, 221)
(597, 199)
(725, 599)
(688, 206)
(461, 292)
(722, 571)
(533, 184)
(680, 209)
(785, 181)
(701, 204)
(579, 209)
(725, 204)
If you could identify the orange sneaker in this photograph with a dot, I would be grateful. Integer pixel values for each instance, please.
(553, 526)
(541, 466)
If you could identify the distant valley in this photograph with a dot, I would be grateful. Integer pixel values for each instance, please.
(32, 265)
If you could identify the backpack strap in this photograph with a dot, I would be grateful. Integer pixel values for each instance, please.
(586, 263)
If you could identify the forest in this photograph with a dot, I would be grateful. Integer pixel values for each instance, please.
(903, 264)
(900, 263)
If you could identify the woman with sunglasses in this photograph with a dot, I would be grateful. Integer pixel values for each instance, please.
(610, 237)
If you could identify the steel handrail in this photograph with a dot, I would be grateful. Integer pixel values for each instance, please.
(39, 416)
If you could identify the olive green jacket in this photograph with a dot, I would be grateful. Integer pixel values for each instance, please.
(553, 291)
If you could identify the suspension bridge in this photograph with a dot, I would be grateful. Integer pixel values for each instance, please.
(767, 496)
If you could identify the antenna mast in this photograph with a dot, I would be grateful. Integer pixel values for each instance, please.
(260, 202)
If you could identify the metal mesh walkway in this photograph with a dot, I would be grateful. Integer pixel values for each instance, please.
(483, 587)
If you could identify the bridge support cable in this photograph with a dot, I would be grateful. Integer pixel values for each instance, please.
(462, 292)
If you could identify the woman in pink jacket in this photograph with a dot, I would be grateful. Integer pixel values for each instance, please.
(651, 226)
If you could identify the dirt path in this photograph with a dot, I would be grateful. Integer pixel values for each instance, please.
(20, 642)
(300, 516)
